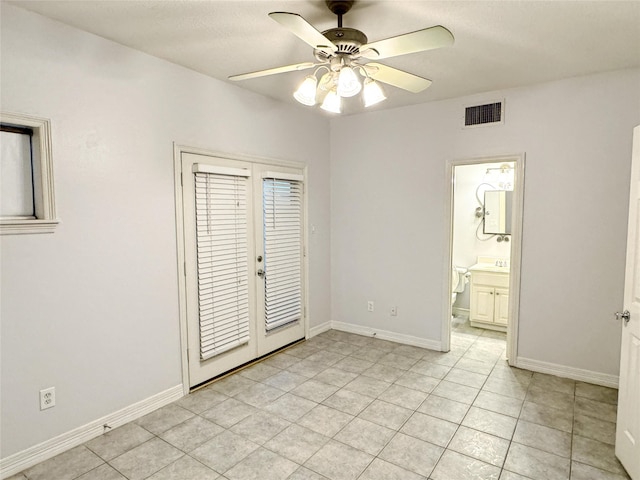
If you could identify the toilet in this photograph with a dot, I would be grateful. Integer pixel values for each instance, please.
(459, 278)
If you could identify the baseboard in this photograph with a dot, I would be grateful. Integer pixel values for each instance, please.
(588, 376)
(318, 329)
(387, 335)
(50, 448)
(460, 311)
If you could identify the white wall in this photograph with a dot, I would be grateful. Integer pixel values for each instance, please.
(93, 308)
(388, 237)
(466, 245)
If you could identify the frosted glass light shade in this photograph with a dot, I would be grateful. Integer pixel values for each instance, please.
(306, 92)
(372, 93)
(331, 102)
(348, 84)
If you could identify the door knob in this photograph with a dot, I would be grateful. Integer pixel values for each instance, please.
(626, 316)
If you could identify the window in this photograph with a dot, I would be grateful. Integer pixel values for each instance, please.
(27, 203)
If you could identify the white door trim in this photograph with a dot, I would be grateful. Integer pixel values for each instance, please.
(178, 150)
(516, 249)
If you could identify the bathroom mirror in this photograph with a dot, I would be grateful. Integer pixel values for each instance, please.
(497, 212)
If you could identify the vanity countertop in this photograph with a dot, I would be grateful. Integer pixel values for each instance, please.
(488, 267)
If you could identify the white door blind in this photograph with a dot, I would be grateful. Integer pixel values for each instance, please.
(221, 236)
(282, 208)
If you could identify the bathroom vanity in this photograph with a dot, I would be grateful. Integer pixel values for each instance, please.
(489, 294)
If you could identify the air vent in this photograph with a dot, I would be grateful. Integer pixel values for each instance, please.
(489, 113)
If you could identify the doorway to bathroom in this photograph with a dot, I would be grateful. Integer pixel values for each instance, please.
(483, 265)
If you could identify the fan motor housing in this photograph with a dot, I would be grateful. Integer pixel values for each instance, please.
(348, 41)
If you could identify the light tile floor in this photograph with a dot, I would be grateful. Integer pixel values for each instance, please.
(343, 407)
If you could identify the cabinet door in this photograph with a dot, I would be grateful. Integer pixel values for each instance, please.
(482, 303)
(502, 306)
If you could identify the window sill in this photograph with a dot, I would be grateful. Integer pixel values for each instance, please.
(23, 227)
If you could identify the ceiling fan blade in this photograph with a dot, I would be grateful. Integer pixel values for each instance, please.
(273, 71)
(304, 30)
(397, 78)
(426, 39)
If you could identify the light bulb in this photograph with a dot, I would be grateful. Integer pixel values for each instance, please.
(306, 93)
(372, 93)
(331, 102)
(348, 84)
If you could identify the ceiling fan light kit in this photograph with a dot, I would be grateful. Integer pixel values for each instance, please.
(341, 52)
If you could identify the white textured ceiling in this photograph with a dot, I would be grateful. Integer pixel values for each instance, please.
(498, 44)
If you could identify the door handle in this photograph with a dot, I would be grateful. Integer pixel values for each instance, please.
(626, 316)
(261, 273)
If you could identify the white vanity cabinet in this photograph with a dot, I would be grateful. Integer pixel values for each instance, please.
(489, 297)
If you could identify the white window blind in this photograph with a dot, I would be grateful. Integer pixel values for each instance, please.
(221, 236)
(282, 209)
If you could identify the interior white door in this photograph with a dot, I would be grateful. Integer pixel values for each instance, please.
(628, 423)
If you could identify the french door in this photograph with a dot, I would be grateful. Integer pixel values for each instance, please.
(243, 226)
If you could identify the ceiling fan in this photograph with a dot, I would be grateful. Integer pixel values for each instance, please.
(341, 52)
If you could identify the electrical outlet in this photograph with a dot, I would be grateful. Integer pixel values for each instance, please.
(370, 306)
(47, 398)
(394, 311)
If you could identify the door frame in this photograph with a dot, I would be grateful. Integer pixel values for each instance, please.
(178, 150)
(515, 272)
